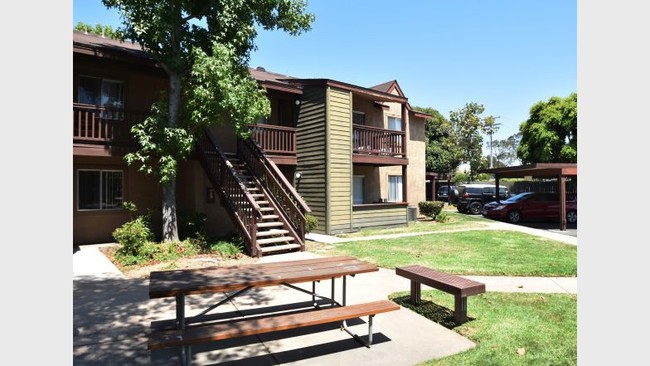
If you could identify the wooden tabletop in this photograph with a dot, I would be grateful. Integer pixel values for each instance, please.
(233, 278)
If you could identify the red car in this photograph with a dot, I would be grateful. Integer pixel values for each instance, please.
(531, 206)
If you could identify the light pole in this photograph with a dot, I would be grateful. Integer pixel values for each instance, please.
(492, 128)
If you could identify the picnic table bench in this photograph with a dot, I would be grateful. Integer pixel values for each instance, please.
(458, 286)
(237, 280)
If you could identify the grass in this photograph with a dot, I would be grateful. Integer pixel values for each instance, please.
(456, 221)
(508, 328)
(480, 252)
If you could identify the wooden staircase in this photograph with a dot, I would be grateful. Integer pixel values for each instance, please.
(272, 236)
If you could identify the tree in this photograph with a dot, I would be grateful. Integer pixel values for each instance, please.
(467, 126)
(100, 30)
(550, 135)
(505, 151)
(442, 153)
(204, 47)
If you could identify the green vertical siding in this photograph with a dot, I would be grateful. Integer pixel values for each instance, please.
(311, 146)
(339, 160)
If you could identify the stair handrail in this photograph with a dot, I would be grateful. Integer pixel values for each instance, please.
(243, 208)
(272, 178)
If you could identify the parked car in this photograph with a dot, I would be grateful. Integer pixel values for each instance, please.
(443, 193)
(531, 206)
(472, 197)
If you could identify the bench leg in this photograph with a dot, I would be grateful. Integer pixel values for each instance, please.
(415, 292)
(186, 355)
(460, 309)
(344, 327)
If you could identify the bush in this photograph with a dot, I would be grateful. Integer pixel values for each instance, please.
(311, 224)
(132, 236)
(192, 226)
(227, 249)
(431, 208)
(442, 217)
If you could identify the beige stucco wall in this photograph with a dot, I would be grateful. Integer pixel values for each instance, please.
(416, 154)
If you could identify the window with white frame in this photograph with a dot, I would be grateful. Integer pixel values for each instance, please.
(100, 189)
(395, 188)
(105, 93)
(357, 189)
(394, 123)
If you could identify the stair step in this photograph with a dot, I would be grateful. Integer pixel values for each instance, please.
(262, 202)
(269, 224)
(276, 248)
(269, 217)
(266, 209)
(272, 232)
(280, 239)
(257, 195)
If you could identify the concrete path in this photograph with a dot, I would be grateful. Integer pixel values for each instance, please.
(112, 316)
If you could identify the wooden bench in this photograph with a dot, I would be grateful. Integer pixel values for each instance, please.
(458, 286)
(204, 333)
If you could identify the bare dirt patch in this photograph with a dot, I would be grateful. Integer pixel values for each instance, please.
(197, 261)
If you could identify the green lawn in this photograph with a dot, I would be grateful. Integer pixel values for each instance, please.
(478, 252)
(508, 328)
(456, 221)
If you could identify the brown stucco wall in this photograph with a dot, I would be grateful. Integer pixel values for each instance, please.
(96, 226)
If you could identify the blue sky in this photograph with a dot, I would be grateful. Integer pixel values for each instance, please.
(504, 54)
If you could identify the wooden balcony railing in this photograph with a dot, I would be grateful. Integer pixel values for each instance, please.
(366, 140)
(99, 125)
(378, 141)
(275, 140)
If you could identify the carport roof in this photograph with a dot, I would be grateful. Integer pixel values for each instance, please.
(538, 170)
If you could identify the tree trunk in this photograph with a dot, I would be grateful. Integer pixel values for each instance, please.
(170, 227)
(169, 219)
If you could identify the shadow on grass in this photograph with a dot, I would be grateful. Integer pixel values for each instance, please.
(430, 310)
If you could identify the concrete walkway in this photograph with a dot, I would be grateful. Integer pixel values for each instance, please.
(112, 316)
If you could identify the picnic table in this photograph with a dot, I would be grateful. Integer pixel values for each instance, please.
(236, 280)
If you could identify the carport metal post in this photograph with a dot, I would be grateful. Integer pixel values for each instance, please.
(562, 182)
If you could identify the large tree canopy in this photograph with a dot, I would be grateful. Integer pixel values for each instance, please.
(505, 151)
(468, 125)
(442, 153)
(550, 135)
(204, 46)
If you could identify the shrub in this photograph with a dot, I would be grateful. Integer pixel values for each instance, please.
(192, 226)
(311, 224)
(431, 208)
(442, 217)
(227, 249)
(132, 236)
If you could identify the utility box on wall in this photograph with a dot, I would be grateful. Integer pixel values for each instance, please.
(411, 213)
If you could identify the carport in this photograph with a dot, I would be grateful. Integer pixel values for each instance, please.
(540, 170)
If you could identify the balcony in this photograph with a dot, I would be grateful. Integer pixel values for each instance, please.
(277, 142)
(103, 131)
(370, 145)
(378, 146)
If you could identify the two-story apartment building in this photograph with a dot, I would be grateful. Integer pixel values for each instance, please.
(351, 156)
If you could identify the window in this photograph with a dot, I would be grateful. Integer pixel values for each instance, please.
(395, 188)
(102, 93)
(100, 189)
(394, 123)
(357, 189)
(358, 118)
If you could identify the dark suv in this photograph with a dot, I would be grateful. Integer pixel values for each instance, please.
(443, 193)
(472, 197)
